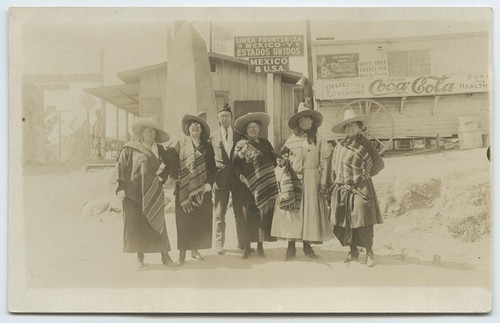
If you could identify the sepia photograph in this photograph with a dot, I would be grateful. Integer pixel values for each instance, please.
(250, 160)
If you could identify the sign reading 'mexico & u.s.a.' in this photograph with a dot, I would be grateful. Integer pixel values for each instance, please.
(268, 46)
(401, 86)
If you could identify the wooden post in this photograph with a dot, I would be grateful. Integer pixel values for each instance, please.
(60, 120)
(127, 134)
(270, 106)
(310, 73)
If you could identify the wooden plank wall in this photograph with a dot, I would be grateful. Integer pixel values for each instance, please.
(418, 119)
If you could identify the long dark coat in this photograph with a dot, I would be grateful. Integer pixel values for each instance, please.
(138, 234)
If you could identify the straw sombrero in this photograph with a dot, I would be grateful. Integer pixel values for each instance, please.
(201, 117)
(141, 123)
(261, 117)
(349, 116)
(304, 111)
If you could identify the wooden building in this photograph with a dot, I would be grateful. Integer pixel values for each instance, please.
(425, 85)
(143, 93)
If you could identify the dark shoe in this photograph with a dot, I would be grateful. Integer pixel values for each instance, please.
(290, 252)
(352, 255)
(196, 255)
(370, 260)
(260, 249)
(166, 260)
(182, 257)
(308, 251)
(221, 252)
(246, 251)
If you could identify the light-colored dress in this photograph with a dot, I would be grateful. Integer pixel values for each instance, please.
(311, 221)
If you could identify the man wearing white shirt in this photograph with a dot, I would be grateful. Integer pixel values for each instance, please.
(226, 181)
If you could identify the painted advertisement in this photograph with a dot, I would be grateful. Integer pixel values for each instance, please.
(402, 86)
(337, 66)
(375, 68)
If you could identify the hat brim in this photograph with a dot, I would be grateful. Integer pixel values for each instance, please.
(188, 117)
(261, 117)
(339, 127)
(138, 129)
(316, 115)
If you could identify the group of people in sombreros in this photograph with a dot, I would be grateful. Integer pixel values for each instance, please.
(320, 193)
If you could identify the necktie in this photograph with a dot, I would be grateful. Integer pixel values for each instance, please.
(226, 134)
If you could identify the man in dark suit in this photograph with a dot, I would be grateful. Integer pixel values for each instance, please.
(226, 181)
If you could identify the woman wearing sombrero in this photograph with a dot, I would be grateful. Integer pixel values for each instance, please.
(354, 206)
(302, 213)
(255, 160)
(194, 169)
(141, 192)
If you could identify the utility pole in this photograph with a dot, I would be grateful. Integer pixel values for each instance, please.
(308, 88)
(60, 121)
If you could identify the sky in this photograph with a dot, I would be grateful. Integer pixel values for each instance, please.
(68, 41)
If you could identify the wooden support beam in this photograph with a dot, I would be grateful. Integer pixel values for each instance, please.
(401, 108)
(434, 108)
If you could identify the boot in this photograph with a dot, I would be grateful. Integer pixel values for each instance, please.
(290, 251)
(370, 258)
(308, 250)
(166, 260)
(182, 257)
(260, 249)
(246, 250)
(140, 261)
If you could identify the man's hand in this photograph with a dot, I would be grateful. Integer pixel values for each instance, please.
(121, 195)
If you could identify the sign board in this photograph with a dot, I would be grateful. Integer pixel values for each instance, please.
(337, 66)
(377, 68)
(401, 86)
(268, 64)
(268, 46)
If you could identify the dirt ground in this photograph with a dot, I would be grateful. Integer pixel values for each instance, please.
(436, 234)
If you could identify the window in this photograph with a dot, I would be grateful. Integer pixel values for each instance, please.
(409, 63)
(213, 67)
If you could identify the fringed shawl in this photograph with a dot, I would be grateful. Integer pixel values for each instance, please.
(152, 191)
(260, 177)
(193, 175)
(290, 196)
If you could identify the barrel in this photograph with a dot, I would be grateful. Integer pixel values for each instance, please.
(469, 133)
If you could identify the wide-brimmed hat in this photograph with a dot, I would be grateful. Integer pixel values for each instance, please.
(260, 117)
(200, 118)
(139, 124)
(305, 111)
(349, 116)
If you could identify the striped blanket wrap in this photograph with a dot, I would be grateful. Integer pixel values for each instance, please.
(193, 175)
(153, 197)
(260, 179)
(352, 162)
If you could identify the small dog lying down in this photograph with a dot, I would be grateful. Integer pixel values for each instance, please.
(102, 205)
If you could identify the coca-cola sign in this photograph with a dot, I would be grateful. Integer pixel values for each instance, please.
(402, 86)
(422, 85)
